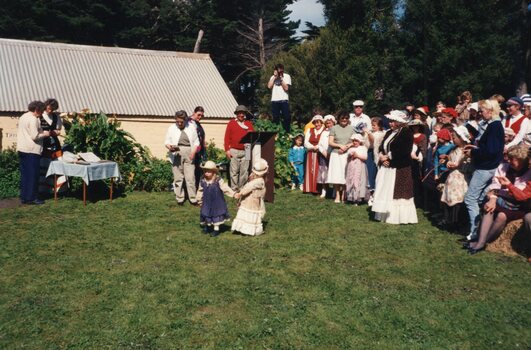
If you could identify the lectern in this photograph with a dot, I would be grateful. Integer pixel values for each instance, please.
(262, 145)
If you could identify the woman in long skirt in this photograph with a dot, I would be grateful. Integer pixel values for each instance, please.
(339, 141)
(311, 143)
(393, 198)
(324, 154)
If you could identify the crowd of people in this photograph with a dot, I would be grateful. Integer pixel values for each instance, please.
(473, 156)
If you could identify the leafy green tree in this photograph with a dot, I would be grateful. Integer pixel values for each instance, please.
(459, 45)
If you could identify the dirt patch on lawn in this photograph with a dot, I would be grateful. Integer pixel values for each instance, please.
(10, 203)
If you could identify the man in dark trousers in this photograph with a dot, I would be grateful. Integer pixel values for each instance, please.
(200, 155)
(279, 83)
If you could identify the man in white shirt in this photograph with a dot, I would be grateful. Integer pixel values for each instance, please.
(279, 83)
(182, 143)
(359, 117)
(515, 120)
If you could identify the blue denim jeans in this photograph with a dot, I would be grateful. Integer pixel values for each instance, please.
(477, 189)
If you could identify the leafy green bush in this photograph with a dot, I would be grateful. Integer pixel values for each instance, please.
(95, 132)
(283, 142)
(150, 175)
(9, 173)
(215, 154)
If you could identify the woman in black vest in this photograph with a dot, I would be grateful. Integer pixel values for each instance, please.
(393, 197)
(51, 121)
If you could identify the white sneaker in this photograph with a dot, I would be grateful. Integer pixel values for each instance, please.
(292, 187)
(323, 193)
(301, 187)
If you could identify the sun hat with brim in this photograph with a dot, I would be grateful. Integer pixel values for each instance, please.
(260, 167)
(416, 122)
(241, 108)
(358, 103)
(330, 117)
(357, 137)
(209, 165)
(317, 117)
(463, 133)
(515, 101)
(397, 116)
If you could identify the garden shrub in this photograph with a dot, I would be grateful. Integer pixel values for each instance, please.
(150, 175)
(283, 142)
(97, 133)
(9, 173)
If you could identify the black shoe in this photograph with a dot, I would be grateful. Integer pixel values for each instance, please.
(180, 203)
(466, 245)
(37, 202)
(473, 251)
(214, 233)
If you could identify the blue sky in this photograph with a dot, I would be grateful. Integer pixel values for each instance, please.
(307, 10)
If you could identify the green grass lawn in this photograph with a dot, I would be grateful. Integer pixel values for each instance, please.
(138, 273)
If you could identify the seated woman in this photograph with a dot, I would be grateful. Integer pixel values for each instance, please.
(503, 205)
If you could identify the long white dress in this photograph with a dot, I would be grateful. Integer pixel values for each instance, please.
(385, 207)
(248, 220)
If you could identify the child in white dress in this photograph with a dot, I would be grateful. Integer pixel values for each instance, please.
(252, 208)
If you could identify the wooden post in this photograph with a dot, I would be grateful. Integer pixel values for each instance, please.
(55, 187)
(110, 190)
(84, 194)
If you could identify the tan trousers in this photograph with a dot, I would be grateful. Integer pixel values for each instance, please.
(183, 174)
(239, 169)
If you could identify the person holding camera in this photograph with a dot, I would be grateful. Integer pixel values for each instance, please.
(279, 83)
(182, 143)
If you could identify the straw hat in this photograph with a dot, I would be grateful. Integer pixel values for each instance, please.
(209, 165)
(419, 123)
(241, 108)
(358, 103)
(260, 167)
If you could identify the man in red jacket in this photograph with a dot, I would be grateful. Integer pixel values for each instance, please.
(236, 129)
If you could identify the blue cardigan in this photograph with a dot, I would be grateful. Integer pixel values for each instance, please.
(489, 152)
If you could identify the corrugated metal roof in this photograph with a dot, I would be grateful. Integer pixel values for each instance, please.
(110, 79)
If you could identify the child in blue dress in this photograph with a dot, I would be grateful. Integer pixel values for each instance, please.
(444, 147)
(210, 196)
(296, 157)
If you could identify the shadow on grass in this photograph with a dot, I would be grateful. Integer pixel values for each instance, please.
(96, 191)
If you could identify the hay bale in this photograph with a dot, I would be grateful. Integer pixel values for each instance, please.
(512, 241)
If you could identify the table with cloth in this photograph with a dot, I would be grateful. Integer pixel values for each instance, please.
(86, 171)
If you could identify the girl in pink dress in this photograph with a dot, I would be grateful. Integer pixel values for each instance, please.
(357, 179)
